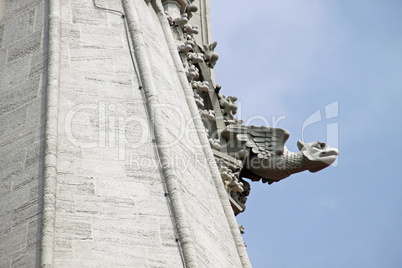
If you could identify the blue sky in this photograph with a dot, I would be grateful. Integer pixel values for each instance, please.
(290, 59)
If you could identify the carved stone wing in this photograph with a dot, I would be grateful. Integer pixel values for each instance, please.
(265, 142)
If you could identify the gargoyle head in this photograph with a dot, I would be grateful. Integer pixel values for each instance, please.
(318, 155)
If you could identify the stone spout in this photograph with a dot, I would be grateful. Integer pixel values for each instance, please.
(313, 156)
(266, 158)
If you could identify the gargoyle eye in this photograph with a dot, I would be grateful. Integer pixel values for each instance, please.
(321, 145)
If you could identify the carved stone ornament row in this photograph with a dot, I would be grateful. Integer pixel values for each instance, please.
(197, 61)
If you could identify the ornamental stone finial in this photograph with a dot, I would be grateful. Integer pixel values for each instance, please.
(174, 7)
(210, 56)
(179, 7)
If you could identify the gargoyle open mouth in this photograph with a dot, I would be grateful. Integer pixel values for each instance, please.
(330, 152)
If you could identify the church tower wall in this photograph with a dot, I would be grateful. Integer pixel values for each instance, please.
(100, 125)
(23, 53)
(110, 204)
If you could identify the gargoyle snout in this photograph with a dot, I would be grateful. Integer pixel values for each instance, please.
(330, 152)
(318, 154)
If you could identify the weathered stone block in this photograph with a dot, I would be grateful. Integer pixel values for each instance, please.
(35, 117)
(1, 35)
(65, 206)
(167, 237)
(101, 37)
(33, 153)
(3, 57)
(109, 230)
(107, 255)
(37, 63)
(28, 175)
(12, 120)
(5, 262)
(5, 184)
(5, 227)
(34, 234)
(16, 8)
(26, 259)
(40, 16)
(116, 187)
(88, 16)
(104, 206)
(11, 165)
(20, 95)
(73, 228)
(14, 74)
(70, 32)
(15, 153)
(19, 27)
(25, 46)
(14, 241)
(76, 185)
(26, 213)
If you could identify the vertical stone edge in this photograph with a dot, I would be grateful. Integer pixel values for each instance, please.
(51, 129)
(205, 19)
(241, 248)
(183, 229)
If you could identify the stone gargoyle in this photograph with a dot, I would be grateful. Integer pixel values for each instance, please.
(265, 156)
